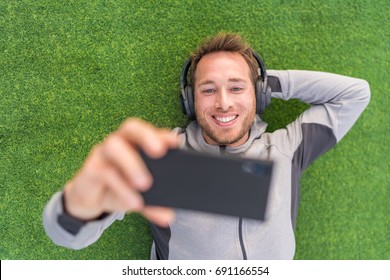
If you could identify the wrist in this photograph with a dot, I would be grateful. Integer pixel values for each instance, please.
(72, 223)
(76, 214)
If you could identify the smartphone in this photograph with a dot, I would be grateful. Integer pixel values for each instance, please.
(216, 184)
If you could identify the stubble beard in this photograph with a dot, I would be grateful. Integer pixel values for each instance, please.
(226, 137)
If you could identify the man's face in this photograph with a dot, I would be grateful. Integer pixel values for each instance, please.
(225, 103)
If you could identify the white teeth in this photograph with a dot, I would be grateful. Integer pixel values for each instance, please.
(225, 119)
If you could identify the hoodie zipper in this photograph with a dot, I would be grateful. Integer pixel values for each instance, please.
(240, 221)
(222, 150)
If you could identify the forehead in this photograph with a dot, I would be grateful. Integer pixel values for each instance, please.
(221, 65)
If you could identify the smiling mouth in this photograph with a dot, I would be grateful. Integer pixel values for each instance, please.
(225, 119)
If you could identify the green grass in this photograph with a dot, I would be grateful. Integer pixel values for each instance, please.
(72, 71)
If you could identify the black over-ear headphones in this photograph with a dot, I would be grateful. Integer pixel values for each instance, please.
(262, 90)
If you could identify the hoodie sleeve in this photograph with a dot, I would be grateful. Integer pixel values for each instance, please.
(82, 235)
(337, 101)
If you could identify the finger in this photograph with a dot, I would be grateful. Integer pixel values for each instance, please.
(161, 216)
(84, 192)
(154, 141)
(111, 204)
(128, 161)
(119, 195)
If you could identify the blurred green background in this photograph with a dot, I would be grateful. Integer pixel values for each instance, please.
(72, 71)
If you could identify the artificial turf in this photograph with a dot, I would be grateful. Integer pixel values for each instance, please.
(72, 71)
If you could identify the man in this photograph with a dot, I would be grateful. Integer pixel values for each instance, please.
(224, 74)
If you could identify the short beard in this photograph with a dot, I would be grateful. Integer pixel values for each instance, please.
(226, 140)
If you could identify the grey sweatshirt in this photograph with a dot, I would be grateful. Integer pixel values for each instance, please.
(337, 101)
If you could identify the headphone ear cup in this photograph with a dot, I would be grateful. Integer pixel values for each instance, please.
(190, 101)
(263, 96)
(267, 96)
(187, 102)
(259, 96)
(183, 105)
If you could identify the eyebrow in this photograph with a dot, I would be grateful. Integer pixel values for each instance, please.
(237, 80)
(206, 82)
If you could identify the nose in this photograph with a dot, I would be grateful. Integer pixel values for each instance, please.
(223, 101)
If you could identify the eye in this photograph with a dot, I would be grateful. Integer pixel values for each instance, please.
(208, 91)
(236, 89)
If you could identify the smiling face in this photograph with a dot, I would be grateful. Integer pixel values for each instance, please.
(225, 103)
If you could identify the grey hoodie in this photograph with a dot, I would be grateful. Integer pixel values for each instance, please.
(337, 101)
